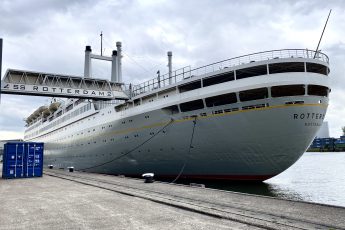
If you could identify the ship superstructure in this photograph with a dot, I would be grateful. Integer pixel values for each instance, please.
(245, 118)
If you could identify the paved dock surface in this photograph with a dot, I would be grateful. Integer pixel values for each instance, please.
(63, 200)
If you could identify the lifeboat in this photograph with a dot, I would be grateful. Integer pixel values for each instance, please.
(39, 111)
(46, 113)
(29, 119)
(54, 106)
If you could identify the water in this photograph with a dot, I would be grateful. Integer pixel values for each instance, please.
(315, 177)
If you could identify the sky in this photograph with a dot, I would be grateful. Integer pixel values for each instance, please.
(51, 35)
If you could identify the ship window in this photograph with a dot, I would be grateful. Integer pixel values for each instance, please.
(59, 114)
(224, 99)
(78, 102)
(317, 90)
(221, 78)
(171, 109)
(119, 108)
(253, 94)
(251, 71)
(192, 105)
(190, 86)
(317, 68)
(287, 90)
(286, 67)
(136, 102)
(69, 107)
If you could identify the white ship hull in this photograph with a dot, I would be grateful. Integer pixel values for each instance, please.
(251, 140)
(252, 144)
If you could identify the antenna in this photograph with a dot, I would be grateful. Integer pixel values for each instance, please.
(101, 43)
(317, 48)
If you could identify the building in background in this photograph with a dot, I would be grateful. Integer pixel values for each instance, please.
(328, 144)
(324, 143)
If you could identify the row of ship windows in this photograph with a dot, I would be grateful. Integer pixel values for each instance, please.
(256, 71)
(239, 74)
(104, 154)
(75, 113)
(58, 113)
(95, 142)
(221, 78)
(69, 116)
(219, 111)
(98, 105)
(81, 133)
(249, 95)
(81, 110)
(231, 98)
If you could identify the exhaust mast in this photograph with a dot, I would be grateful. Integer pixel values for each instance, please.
(170, 66)
(115, 59)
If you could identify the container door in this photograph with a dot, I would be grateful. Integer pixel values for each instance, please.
(34, 160)
(14, 163)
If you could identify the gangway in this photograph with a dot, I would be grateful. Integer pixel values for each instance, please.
(22, 82)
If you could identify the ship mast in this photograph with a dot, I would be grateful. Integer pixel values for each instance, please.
(101, 43)
(317, 48)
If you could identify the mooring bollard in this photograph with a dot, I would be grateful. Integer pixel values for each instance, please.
(197, 185)
(148, 177)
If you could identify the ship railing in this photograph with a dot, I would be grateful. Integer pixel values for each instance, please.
(162, 81)
(187, 72)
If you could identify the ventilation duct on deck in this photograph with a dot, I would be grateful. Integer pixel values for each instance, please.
(114, 67)
(170, 66)
(119, 62)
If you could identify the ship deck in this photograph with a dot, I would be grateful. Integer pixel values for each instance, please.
(63, 200)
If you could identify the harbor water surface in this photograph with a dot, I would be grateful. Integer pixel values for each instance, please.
(315, 177)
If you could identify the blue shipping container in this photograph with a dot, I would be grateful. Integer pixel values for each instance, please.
(22, 159)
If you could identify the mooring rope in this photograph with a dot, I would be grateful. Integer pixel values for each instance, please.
(132, 150)
(190, 147)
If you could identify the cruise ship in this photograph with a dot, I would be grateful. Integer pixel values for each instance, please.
(246, 118)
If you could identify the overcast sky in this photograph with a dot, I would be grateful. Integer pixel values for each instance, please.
(50, 36)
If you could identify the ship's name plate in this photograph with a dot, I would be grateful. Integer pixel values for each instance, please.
(304, 116)
(36, 89)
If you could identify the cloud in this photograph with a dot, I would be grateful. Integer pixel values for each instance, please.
(11, 135)
(20, 18)
(13, 111)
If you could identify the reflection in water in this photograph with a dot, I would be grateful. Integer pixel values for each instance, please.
(257, 188)
(281, 192)
(316, 177)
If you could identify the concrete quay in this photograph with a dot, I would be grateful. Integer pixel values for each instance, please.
(78, 200)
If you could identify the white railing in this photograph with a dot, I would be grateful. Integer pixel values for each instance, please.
(186, 72)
